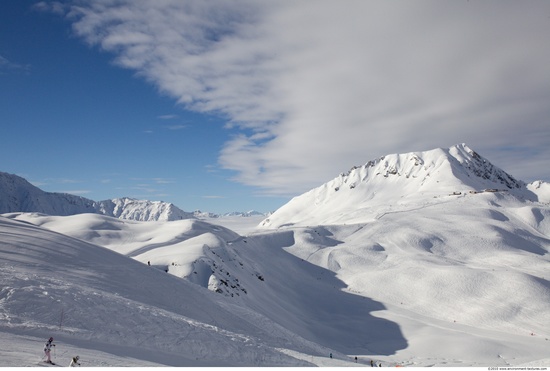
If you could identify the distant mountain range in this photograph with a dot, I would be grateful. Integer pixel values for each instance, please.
(18, 195)
(455, 171)
(204, 214)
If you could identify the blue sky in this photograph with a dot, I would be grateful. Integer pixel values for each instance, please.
(239, 105)
(74, 122)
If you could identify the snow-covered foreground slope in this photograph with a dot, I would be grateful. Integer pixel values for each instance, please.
(112, 310)
(253, 274)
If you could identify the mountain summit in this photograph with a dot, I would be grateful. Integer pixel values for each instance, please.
(397, 180)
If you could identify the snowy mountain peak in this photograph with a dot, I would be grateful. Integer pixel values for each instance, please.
(414, 178)
(482, 168)
(142, 210)
(456, 165)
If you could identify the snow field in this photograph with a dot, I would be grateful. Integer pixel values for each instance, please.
(391, 288)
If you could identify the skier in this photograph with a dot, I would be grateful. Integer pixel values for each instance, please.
(371, 363)
(74, 361)
(47, 350)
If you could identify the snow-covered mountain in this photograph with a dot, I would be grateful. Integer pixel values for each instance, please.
(245, 214)
(434, 258)
(398, 181)
(204, 214)
(142, 210)
(17, 194)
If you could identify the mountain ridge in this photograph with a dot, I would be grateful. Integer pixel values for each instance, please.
(470, 173)
(460, 160)
(19, 195)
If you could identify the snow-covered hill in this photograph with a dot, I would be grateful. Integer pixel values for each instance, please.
(113, 310)
(18, 195)
(541, 190)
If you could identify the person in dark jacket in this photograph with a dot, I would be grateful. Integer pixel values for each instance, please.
(47, 350)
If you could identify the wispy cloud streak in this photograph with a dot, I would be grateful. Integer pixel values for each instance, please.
(8, 66)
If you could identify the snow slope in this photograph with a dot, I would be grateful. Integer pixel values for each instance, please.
(256, 270)
(462, 271)
(95, 301)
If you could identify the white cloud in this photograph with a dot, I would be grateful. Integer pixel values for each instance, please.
(7, 65)
(167, 117)
(318, 87)
(175, 127)
(164, 181)
(55, 7)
